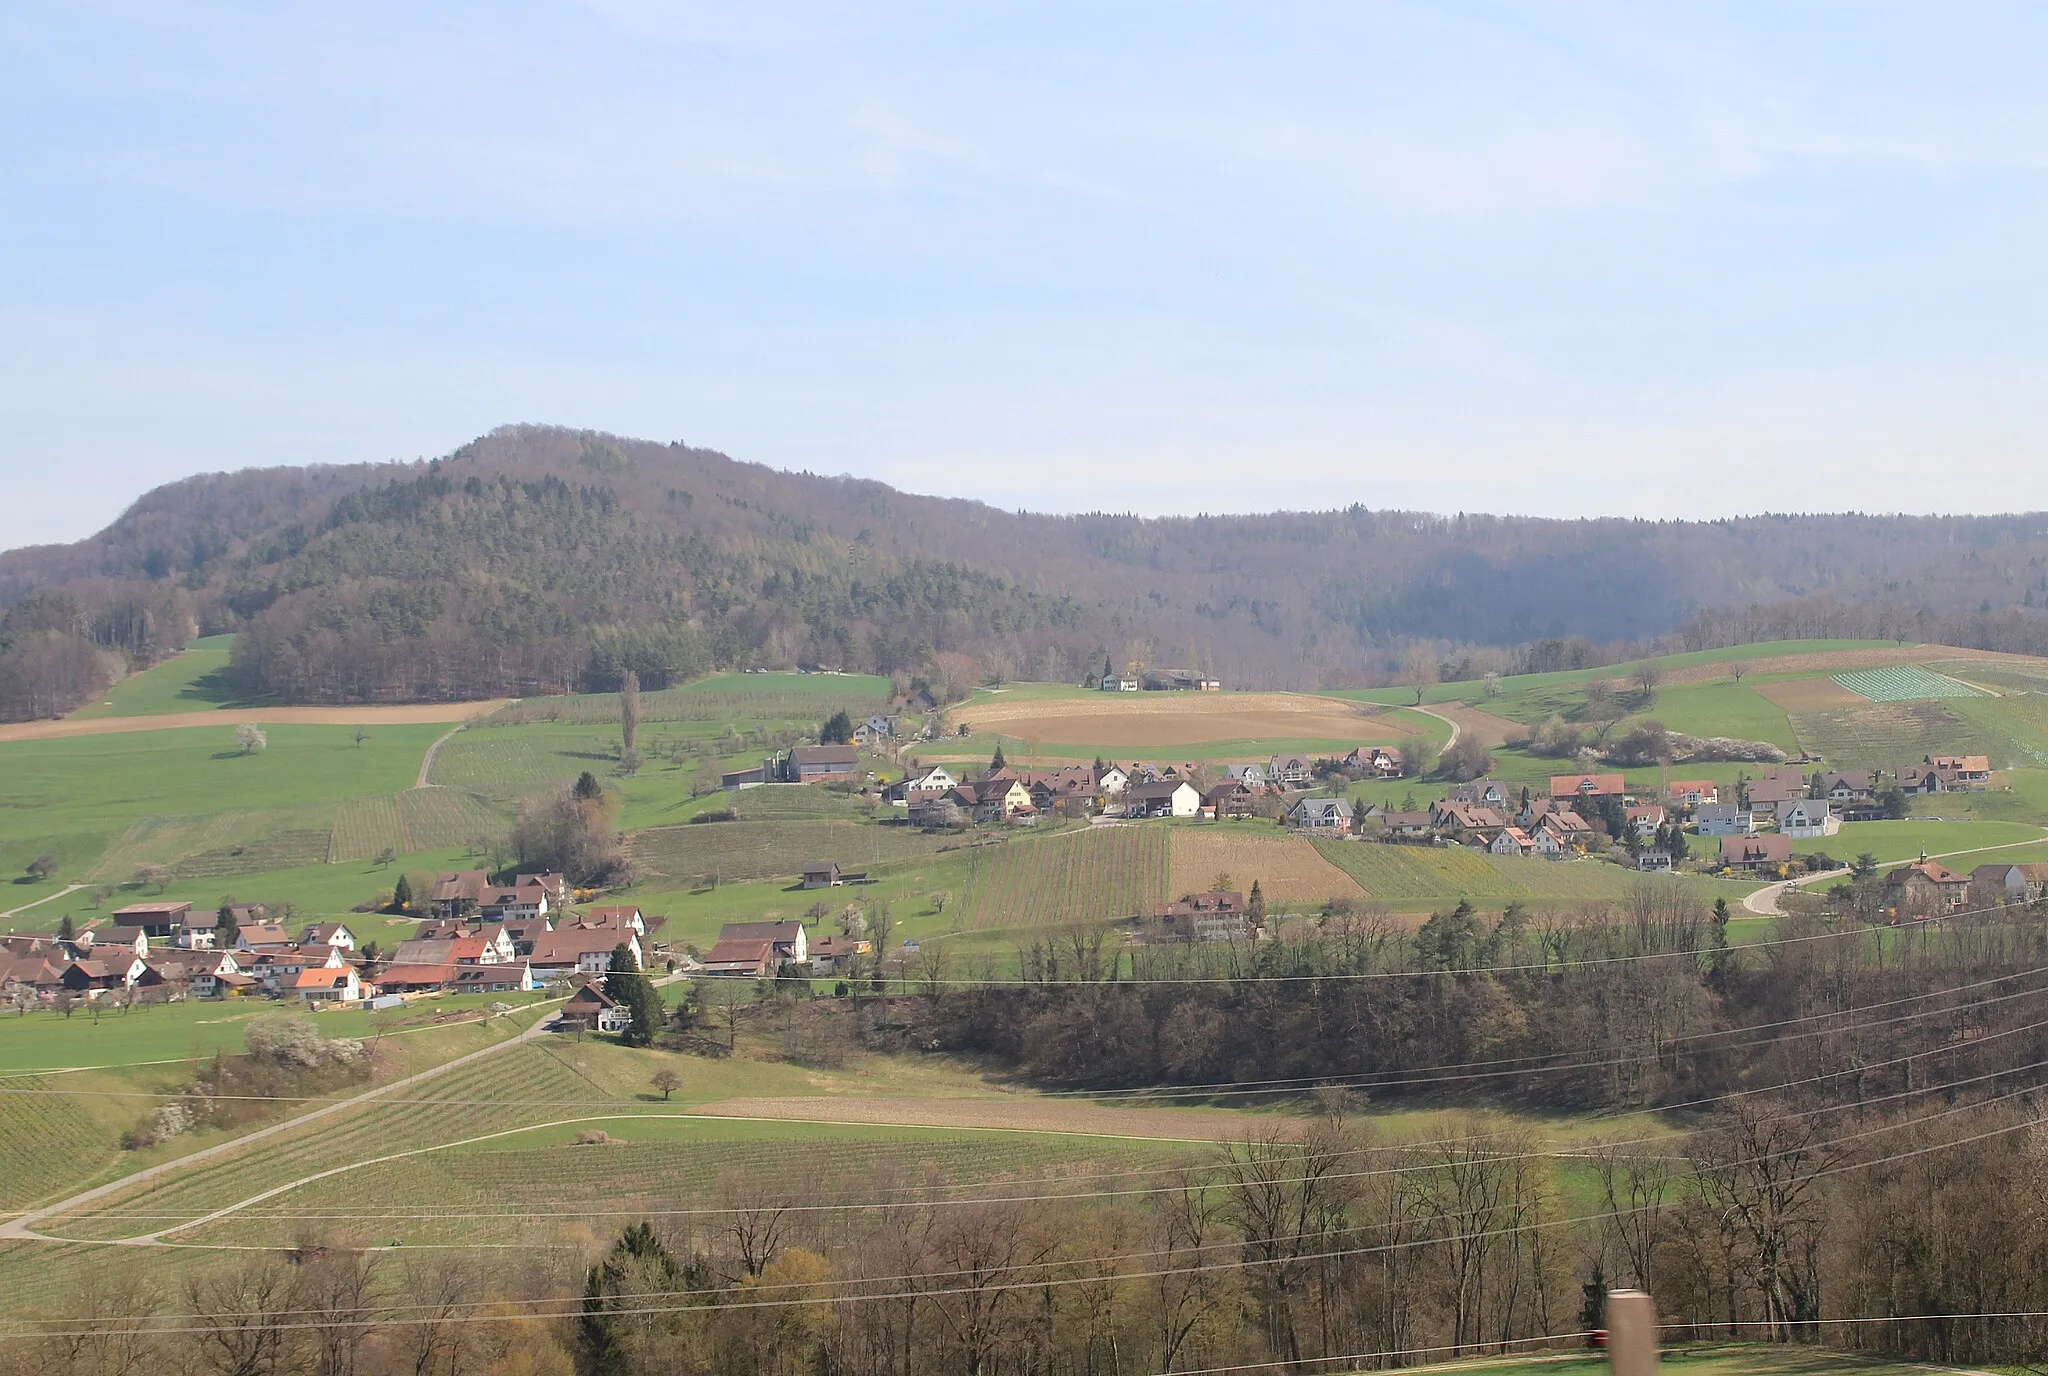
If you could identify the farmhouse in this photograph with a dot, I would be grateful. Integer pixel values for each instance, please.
(821, 874)
(790, 940)
(456, 893)
(1754, 853)
(1971, 772)
(1167, 798)
(581, 950)
(493, 979)
(832, 954)
(95, 975)
(1588, 786)
(1120, 683)
(112, 939)
(1230, 799)
(1212, 916)
(591, 1007)
(2007, 883)
(813, 764)
(1926, 889)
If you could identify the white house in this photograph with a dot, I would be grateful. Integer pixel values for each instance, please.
(1120, 683)
(1113, 780)
(1550, 845)
(1320, 814)
(328, 986)
(1167, 798)
(1723, 819)
(1807, 818)
(1512, 841)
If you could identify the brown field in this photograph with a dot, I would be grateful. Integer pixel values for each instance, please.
(402, 714)
(1806, 694)
(1139, 721)
(999, 1115)
(1289, 869)
(1489, 730)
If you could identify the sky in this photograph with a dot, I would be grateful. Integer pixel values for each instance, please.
(1555, 259)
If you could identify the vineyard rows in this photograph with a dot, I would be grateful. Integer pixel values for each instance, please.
(1888, 735)
(1903, 683)
(738, 851)
(1101, 874)
(415, 820)
(507, 764)
(1289, 869)
(46, 1142)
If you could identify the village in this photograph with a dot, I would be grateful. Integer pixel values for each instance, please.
(534, 932)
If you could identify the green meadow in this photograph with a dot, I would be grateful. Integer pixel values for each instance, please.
(194, 680)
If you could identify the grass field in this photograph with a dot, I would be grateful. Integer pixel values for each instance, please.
(188, 682)
(1412, 876)
(1898, 841)
(1887, 735)
(740, 851)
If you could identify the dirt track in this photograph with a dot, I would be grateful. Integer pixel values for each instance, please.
(1005, 1115)
(407, 714)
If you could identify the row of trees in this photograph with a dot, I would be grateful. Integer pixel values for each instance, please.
(1314, 1240)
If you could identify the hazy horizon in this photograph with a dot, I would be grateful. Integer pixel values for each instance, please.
(1559, 261)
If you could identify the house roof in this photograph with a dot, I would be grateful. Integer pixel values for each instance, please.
(740, 955)
(323, 979)
(1746, 849)
(159, 911)
(1562, 785)
(1931, 870)
(828, 755)
(1685, 786)
(590, 995)
(417, 974)
(511, 972)
(459, 884)
(567, 945)
(783, 932)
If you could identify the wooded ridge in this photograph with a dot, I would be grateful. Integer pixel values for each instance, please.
(542, 559)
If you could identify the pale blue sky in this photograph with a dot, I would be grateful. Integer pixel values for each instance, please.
(1560, 259)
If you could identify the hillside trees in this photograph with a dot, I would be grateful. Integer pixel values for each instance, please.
(573, 831)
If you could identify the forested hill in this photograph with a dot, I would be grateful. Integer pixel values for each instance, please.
(543, 559)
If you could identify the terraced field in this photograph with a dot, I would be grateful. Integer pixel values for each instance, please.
(416, 820)
(1403, 876)
(1290, 870)
(1097, 875)
(506, 763)
(732, 852)
(1890, 734)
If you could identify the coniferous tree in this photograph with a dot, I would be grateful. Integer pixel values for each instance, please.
(996, 761)
(401, 894)
(837, 730)
(587, 786)
(625, 983)
(1255, 906)
(225, 926)
(629, 712)
(66, 929)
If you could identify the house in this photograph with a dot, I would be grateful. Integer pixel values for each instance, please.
(276, 968)
(1991, 885)
(1182, 681)
(1693, 792)
(1928, 779)
(1407, 826)
(1851, 793)
(934, 781)
(41, 973)
(1767, 793)
(1723, 819)
(582, 950)
(790, 939)
(1213, 916)
(875, 732)
(262, 937)
(397, 978)
(434, 950)
(205, 974)
(1566, 825)
(1000, 797)
(505, 978)
(1230, 799)
(1320, 814)
(1291, 771)
(1469, 823)
(591, 1007)
(1646, 818)
(327, 986)
(1550, 844)
(1926, 889)
(491, 946)
(528, 896)
(198, 931)
(95, 975)
(821, 874)
(747, 959)
(107, 940)
(1073, 784)
(1112, 780)
(328, 934)
(831, 955)
(1252, 776)
(627, 917)
(162, 921)
(1972, 773)
(1808, 818)
(1754, 853)
(1653, 862)
(1376, 760)
(1485, 792)
(456, 893)
(1167, 798)
(1588, 786)
(1120, 683)
(1512, 841)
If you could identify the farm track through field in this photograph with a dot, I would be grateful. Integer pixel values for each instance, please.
(370, 715)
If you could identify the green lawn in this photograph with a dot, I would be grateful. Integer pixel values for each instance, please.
(50, 1041)
(1900, 841)
(1473, 690)
(193, 681)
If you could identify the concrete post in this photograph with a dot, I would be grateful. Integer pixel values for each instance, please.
(1631, 1333)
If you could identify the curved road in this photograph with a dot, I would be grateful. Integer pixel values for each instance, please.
(46, 898)
(1764, 902)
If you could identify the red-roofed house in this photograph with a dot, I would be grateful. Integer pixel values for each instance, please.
(1588, 785)
(328, 986)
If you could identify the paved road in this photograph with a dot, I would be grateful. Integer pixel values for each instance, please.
(1764, 902)
(1456, 729)
(46, 898)
(24, 1226)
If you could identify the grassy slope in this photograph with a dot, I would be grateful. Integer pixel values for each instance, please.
(188, 682)
(1473, 690)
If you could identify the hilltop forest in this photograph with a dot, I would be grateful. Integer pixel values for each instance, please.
(539, 559)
